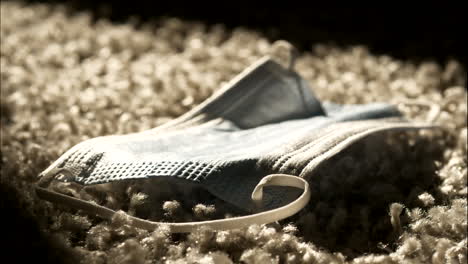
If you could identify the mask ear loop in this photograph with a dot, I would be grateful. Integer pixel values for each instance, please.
(434, 109)
(281, 46)
(221, 224)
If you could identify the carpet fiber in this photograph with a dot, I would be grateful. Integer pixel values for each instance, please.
(392, 198)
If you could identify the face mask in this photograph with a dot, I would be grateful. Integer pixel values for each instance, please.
(264, 128)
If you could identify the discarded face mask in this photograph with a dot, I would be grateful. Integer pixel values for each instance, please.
(265, 127)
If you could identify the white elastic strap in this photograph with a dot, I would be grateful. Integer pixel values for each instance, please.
(221, 224)
(434, 109)
(288, 47)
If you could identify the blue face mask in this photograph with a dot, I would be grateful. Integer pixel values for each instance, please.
(266, 121)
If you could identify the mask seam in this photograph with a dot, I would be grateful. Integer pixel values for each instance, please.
(364, 132)
(337, 120)
(311, 144)
(352, 133)
(298, 150)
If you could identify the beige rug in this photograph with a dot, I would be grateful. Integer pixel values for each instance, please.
(396, 198)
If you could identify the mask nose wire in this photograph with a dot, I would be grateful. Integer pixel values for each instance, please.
(220, 224)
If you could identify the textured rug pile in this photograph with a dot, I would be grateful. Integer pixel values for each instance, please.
(393, 198)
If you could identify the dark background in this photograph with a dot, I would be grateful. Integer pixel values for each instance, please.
(417, 31)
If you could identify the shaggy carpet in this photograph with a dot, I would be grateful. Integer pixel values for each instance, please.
(391, 198)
